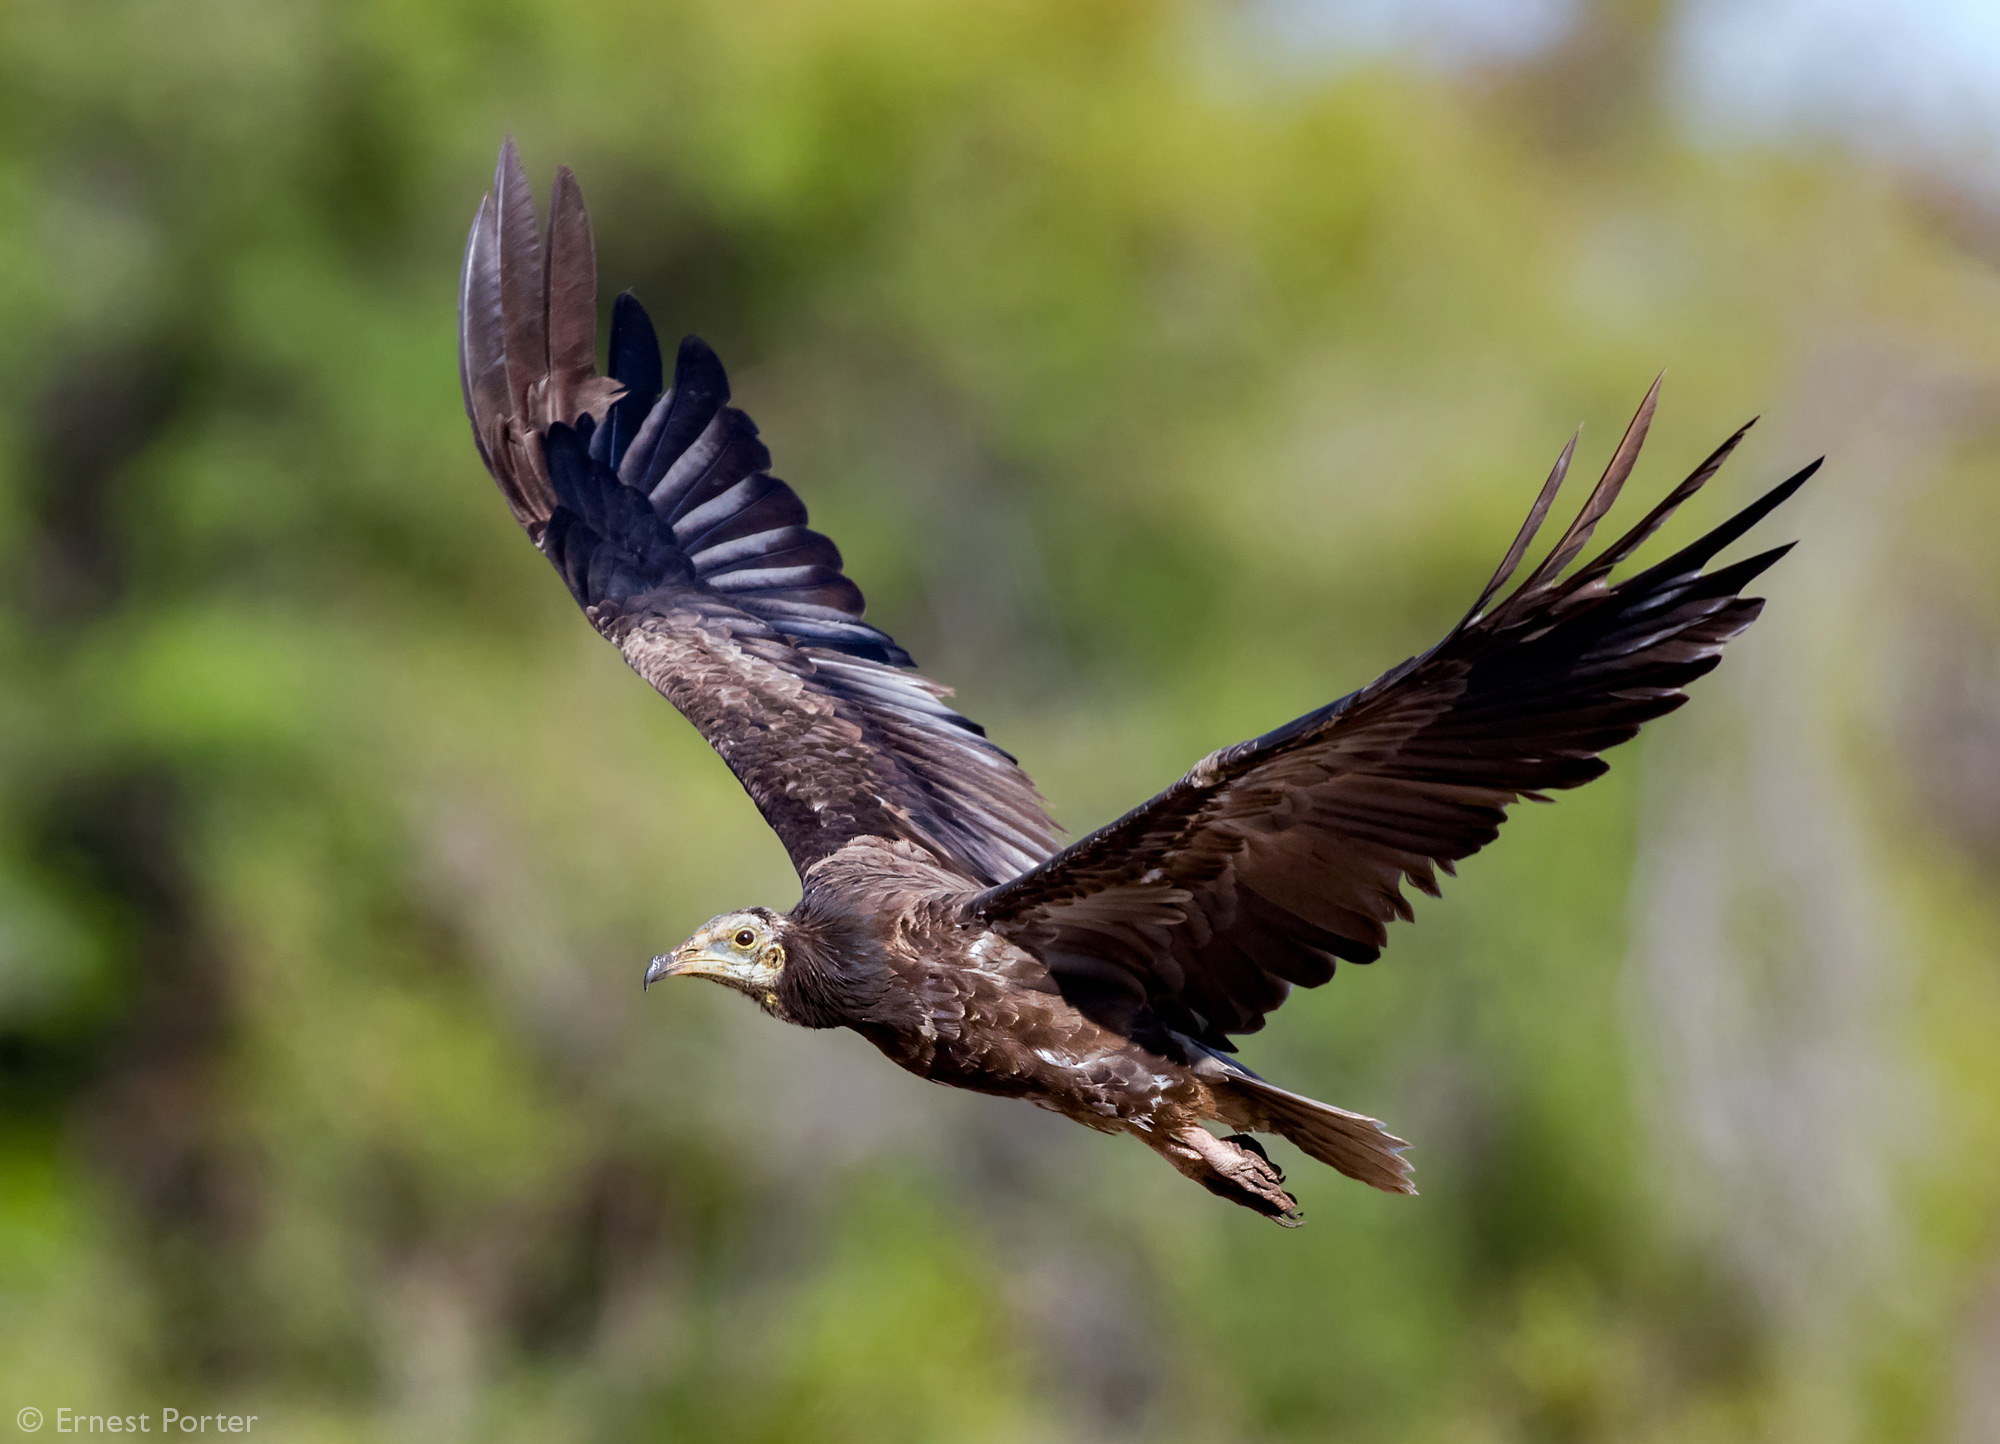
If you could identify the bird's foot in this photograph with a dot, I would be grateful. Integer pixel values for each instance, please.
(1244, 1140)
(1235, 1168)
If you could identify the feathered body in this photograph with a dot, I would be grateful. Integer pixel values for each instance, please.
(940, 917)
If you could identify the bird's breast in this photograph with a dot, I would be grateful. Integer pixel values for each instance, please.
(986, 1017)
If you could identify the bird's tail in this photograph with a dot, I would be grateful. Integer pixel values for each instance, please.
(1358, 1146)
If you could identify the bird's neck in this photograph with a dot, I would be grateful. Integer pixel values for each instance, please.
(834, 975)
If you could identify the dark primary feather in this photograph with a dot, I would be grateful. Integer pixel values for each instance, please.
(660, 513)
(1272, 859)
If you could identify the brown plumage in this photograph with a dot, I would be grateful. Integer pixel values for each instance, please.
(939, 919)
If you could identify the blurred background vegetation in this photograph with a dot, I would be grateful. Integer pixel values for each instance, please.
(1163, 370)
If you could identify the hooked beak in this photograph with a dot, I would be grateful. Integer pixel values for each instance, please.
(666, 965)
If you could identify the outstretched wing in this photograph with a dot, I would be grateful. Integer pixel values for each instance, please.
(661, 515)
(1274, 858)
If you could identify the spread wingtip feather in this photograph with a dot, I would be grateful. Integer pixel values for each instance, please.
(1616, 472)
(570, 293)
(1525, 538)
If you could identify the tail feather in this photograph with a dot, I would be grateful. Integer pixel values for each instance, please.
(1358, 1146)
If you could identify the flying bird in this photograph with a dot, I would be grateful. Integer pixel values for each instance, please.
(941, 917)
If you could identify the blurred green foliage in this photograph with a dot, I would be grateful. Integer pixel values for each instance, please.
(1158, 386)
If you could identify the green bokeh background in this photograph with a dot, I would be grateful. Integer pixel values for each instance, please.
(1158, 386)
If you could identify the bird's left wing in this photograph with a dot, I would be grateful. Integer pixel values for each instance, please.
(660, 513)
(1273, 858)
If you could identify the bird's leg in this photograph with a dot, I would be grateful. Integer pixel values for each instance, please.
(1226, 1168)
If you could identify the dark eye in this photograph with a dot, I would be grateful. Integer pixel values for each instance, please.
(745, 937)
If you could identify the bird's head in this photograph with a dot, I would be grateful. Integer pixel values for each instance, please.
(743, 950)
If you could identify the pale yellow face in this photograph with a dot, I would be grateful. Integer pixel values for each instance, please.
(739, 950)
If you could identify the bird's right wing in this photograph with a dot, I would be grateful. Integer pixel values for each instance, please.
(1273, 858)
(661, 515)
